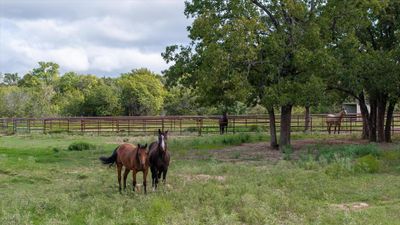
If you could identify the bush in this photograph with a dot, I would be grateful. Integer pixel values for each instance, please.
(368, 164)
(81, 146)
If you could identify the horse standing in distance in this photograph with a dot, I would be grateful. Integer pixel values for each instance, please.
(335, 120)
(133, 158)
(223, 124)
(159, 158)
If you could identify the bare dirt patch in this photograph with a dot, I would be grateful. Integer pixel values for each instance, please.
(262, 151)
(202, 177)
(351, 206)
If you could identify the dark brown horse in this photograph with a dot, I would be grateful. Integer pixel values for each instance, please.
(159, 158)
(132, 158)
(335, 120)
(223, 124)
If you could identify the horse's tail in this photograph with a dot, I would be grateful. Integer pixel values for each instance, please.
(110, 160)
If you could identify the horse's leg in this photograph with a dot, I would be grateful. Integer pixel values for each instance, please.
(338, 128)
(126, 172)
(335, 129)
(119, 168)
(134, 179)
(153, 177)
(145, 180)
(220, 129)
(164, 176)
(329, 128)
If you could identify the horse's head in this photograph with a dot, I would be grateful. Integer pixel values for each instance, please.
(162, 140)
(142, 154)
(343, 112)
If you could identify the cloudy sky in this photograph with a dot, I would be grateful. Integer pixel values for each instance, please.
(102, 37)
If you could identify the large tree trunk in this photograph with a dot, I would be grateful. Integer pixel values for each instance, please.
(372, 119)
(380, 122)
(307, 119)
(365, 116)
(389, 119)
(286, 117)
(272, 128)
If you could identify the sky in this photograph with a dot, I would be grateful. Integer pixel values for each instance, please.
(101, 37)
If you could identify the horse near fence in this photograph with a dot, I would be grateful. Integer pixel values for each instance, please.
(223, 123)
(335, 120)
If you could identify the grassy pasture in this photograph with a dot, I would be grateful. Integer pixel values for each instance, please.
(42, 182)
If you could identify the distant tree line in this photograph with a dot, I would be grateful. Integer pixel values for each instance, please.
(44, 92)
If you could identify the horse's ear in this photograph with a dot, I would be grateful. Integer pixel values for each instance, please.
(166, 132)
(145, 146)
(138, 145)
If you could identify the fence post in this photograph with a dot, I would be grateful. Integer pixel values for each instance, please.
(68, 125)
(351, 127)
(234, 125)
(394, 116)
(180, 126)
(14, 126)
(129, 126)
(28, 124)
(98, 127)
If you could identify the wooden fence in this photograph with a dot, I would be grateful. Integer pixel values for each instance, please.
(179, 125)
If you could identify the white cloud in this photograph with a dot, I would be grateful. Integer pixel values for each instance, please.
(102, 36)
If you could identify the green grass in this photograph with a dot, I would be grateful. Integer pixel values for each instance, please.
(41, 185)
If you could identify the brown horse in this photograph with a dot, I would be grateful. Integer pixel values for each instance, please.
(335, 120)
(132, 158)
(159, 158)
(223, 124)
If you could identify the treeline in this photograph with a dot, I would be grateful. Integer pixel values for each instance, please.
(44, 92)
(284, 54)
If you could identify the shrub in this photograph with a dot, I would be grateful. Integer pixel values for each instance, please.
(81, 146)
(368, 164)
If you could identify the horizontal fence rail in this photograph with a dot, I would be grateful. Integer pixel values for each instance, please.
(180, 125)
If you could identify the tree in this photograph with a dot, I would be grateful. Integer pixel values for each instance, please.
(102, 100)
(142, 93)
(46, 74)
(250, 50)
(11, 79)
(362, 37)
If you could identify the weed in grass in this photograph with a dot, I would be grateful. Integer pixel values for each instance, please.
(340, 166)
(351, 151)
(236, 155)
(287, 152)
(368, 163)
(56, 150)
(81, 146)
